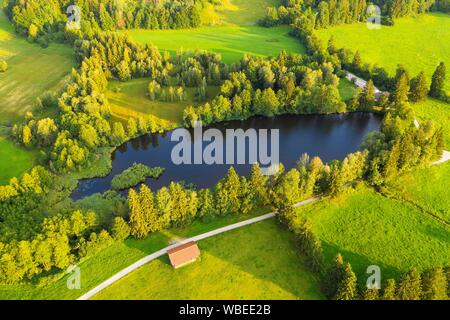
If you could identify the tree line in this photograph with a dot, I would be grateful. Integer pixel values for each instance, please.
(47, 20)
(335, 12)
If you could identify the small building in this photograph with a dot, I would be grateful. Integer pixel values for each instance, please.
(184, 254)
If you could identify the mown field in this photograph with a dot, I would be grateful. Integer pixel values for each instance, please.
(129, 99)
(235, 35)
(418, 43)
(232, 42)
(369, 229)
(257, 262)
(32, 71)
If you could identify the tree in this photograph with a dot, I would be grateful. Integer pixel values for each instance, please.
(232, 185)
(151, 216)
(419, 88)
(138, 224)
(390, 289)
(334, 277)
(370, 294)
(401, 92)
(410, 287)
(356, 63)
(367, 97)
(438, 81)
(3, 66)
(336, 182)
(347, 287)
(26, 135)
(435, 285)
(121, 229)
(132, 127)
(310, 246)
(33, 31)
(258, 183)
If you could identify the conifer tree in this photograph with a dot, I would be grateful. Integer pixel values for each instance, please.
(419, 88)
(435, 285)
(334, 277)
(370, 294)
(150, 213)
(438, 81)
(401, 92)
(390, 289)
(410, 287)
(347, 288)
(258, 184)
(120, 229)
(232, 186)
(138, 224)
(367, 97)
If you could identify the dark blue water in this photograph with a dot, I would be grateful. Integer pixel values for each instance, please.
(328, 136)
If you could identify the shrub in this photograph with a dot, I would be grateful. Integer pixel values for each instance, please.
(3, 66)
(134, 175)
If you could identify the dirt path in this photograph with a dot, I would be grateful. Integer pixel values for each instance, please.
(162, 252)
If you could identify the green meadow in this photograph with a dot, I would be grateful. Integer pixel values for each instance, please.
(234, 34)
(129, 99)
(418, 43)
(266, 267)
(232, 42)
(437, 112)
(370, 229)
(32, 71)
(427, 188)
(14, 160)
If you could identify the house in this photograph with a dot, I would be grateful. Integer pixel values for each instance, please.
(184, 254)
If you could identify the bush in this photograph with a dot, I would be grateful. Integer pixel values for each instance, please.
(134, 175)
(3, 66)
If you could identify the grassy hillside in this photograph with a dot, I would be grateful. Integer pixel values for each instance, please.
(32, 71)
(129, 99)
(266, 267)
(369, 229)
(418, 43)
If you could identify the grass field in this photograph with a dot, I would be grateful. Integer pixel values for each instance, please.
(131, 101)
(428, 189)
(266, 267)
(235, 35)
(121, 254)
(436, 111)
(369, 229)
(418, 43)
(13, 160)
(32, 71)
(347, 89)
(232, 42)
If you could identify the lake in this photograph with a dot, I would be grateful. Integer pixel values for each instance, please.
(330, 137)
